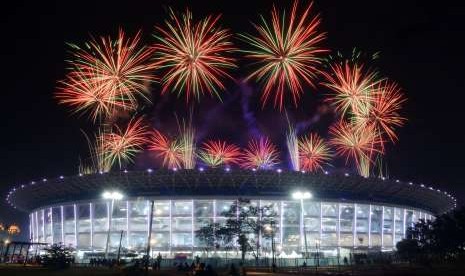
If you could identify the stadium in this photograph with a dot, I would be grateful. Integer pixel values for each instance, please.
(345, 213)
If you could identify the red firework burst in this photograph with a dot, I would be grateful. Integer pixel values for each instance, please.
(313, 153)
(260, 154)
(352, 86)
(122, 145)
(171, 151)
(120, 69)
(358, 145)
(216, 152)
(193, 55)
(384, 111)
(287, 53)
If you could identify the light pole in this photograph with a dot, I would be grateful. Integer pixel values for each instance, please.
(317, 245)
(112, 196)
(301, 195)
(270, 229)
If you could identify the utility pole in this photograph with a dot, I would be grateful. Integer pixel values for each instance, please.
(119, 248)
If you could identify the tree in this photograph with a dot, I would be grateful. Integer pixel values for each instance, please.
(245, 223)
(58, 257)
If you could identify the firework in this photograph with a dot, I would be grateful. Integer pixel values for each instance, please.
(193, 55)
(187, 142)
(86, 96)
(260, 154)
(216, 152)
(352, 87)
(358, 145)
(383, 113)
(292, 143)
(122, 145)
(286, 52)
(169, 150)
(119, 70)
(313, 153)
(98, 162)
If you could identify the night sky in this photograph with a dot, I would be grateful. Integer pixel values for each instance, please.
(421, 45)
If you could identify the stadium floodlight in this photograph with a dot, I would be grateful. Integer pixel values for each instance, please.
(110, 195)
(301, 195)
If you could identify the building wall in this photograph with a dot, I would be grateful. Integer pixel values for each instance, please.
(330, 224)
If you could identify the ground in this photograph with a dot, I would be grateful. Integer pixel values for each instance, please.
(397, 270)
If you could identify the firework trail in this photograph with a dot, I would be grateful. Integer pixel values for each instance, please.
(118, 71)
(98, 162)
(313, 153)
(193, 56)
(292, 143)
(286, 53)
(215, 153)
(260, 154)
(120, 146)
(170, 151)
(187, 142)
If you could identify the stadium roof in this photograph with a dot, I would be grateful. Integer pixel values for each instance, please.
(232, 183)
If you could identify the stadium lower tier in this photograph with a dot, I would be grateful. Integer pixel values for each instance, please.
(299, 227)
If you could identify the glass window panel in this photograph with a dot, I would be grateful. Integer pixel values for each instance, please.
(69, 227)
(83, 211)
(362, 225)
(48, 221)
(69, 212)
(100, 210)
(181, 239)
(387, 240)
(138, 224)
(138, 240)
(329, 209)
(376, 216)
(69, 240)
(361, 240)
(347, 240)
(399, 227)
(312, 239)
(346, 217)
(291, 236)
(388, 213)
(328, 239)
(139, 208)
(222, 206)
(182, 224)
(161, 209)
(271, 208)
(182, 208)
(203, 208)
(362, 211)
(311, 208)
(312, 224)
(56, 216)
(375, 240)
(291, 213)
(161, 240)
(387, 226)
(201, 222)
(99, 241)
(119, 209)
(84, 240)
(161, 224)
(118, 224)
(399, 214)
(329, 224)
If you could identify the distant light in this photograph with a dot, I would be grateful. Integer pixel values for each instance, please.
(114, 195)
(326, 172)
(301, 195)
(410, 183)
(397, 180)
(22, 186)
(254, 169)
(279, 170)
(302, 171)
(346, 174)
(125, 171)
(149, 170)
(175, 169)
(100, 172)
(422, 185)
(80, 174)
(61, 177)
(33, 182)
(201, 169)
(227, 169)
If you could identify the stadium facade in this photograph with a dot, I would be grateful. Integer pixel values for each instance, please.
(345, 213)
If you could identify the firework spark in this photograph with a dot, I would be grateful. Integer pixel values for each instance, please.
(215, 153)
(98, 162)
(358, 145)
(313, 153)
(193, 55)
(85, 96)
(120, 71)
(292, 143)
(169, 150)
(187, 142)
(260, 154)
(287, 53)
(122, 145)
(384, 112)
(352, 87)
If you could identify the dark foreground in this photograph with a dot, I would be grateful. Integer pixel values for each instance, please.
(388, 270)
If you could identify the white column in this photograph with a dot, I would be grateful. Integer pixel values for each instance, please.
(338, 225)
(91, 216)
(75, 226)
(51, 223)
(37, 225)
(404, 230)
(171, 227)
(62, 225)
(192, 229)
(43, 225)
(321, 223)
(127, 223)
(394, 228)
(302, 233)
(369, 227)
(281, 227)
(354, 226)
(382, 227)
